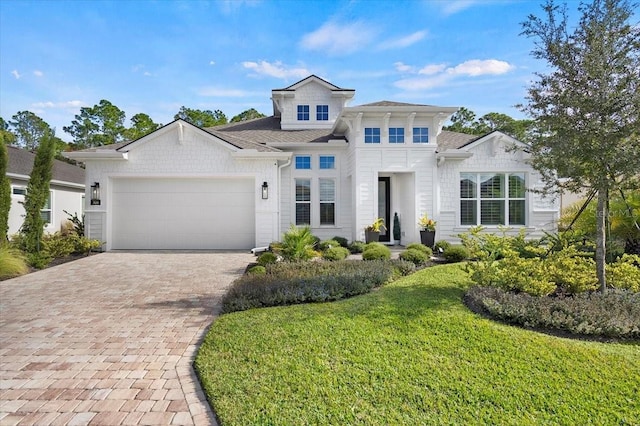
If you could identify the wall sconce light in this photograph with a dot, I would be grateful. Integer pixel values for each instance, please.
(265, 190)
(95, 194)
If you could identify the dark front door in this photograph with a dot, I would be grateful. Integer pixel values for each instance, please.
(384, 207)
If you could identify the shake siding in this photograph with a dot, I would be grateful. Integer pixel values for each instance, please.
(541, 212)
(311, 94)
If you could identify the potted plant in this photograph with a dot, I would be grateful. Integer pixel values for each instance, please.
(372, 232)
(427, 230)
(396, 229)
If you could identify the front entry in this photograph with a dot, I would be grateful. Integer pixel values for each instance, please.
(384, 207)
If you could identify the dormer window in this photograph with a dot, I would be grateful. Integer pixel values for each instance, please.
(322, 112)
(303, 112)
(396, 134)
(372, 135)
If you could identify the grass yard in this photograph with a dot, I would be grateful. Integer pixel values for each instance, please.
(410, 353)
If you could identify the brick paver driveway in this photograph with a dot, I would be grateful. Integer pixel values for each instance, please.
(110, 339)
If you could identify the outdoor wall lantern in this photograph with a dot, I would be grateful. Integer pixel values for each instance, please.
(95, 194)
(265, 190)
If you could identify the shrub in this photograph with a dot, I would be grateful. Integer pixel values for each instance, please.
(323, 245)
(85, 245)
(415, 256)
(357, 247)
(420, 247)
(376, 251)
(335, 253)
(571, 272)
(441, 246)
(342, 241)
(257, 270)
(613, 314)
(402, 268)
(39, 259)
(58, 245)
(267, 258)
(514, 274)
(12, 262)
(297, 244)
(625, 273)
(287, 283)
(456, 253)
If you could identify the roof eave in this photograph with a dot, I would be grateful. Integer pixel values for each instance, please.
(252, 154)
(96, 155)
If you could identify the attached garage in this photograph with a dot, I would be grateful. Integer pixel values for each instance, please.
(183, 213)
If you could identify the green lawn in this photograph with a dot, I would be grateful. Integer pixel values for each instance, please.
(410, 353)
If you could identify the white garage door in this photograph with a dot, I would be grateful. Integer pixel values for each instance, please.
(158, 213)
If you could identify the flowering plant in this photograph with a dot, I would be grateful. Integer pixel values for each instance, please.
(427, 224)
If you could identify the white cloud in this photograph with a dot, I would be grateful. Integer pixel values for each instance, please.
(224, 92)
(16, 74)
(404, 68)
(38, 73)
(275, 69)
(58, 105)
(146, 74)
(338, 39)
(432, 69)
(404, 41)
(455, 6)
(212, 62)
(476, 67)
(436, 75)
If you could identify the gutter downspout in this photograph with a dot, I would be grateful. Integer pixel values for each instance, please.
(280, 167)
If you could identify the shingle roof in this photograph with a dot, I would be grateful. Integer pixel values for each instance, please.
(267, 130)
(21, 163)
(391, 103)
(454, 140)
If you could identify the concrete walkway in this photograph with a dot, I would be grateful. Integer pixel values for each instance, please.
(110, 339)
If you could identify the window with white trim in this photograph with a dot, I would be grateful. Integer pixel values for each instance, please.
(372, 135)
(492, 199)
(327, 162)
(19, 190)
(45, 213)
(303, 201)
(396, 134)
(322, 112)
(420, 135)
(327, 201)
(303, 112)
(303, 162)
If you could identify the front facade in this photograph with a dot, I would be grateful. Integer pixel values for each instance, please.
(317, 162)
(66, 191)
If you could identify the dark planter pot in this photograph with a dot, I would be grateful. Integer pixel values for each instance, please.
(371, 236)
(428, 238)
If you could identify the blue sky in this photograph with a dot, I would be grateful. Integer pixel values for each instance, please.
(156, 56)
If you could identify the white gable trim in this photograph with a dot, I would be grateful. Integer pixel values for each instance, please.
(494, 137)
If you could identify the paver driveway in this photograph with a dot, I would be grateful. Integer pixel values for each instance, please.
(110, 339)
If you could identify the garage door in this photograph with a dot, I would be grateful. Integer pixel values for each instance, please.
(153, 213)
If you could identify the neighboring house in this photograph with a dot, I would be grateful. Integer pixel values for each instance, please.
(315, 162)
(66, 190)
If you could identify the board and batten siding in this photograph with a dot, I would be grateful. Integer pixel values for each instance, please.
(542, 212)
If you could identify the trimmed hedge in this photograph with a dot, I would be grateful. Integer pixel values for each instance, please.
(613, 314)
(336, 253)
(415, 256)
(420, 247)
(456, 253)
(376, 251)
(267, 258)
(288, 283)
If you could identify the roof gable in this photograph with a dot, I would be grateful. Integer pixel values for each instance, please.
(312, 78)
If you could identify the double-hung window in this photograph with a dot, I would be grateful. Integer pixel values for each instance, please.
(396, 134)
(420, 135)
(303, 112)
(492, 199)
(303, 201)
(322, 112)
(45, 213)
(372, 135)
(327, 201)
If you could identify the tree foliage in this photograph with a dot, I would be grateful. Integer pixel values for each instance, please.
(249, 114)
(38, 194)
(101, 124)
(6, 136)
(141, 125)
(5, 194)
(29, 129)
(588, 103)
(465, 121)
(201, 118)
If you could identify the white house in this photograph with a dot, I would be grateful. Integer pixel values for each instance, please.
(315, 162)
(66, 190)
